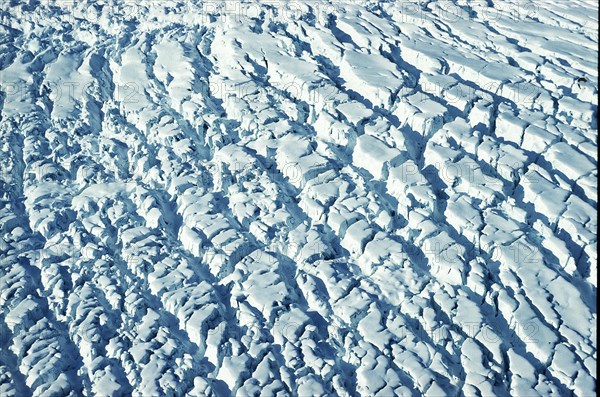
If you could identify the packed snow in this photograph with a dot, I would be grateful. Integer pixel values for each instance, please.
(294, 197)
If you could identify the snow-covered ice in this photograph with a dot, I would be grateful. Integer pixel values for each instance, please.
(294, 197)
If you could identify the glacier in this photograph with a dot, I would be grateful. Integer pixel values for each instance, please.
(298, 197)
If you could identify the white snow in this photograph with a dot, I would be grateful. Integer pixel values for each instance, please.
(298, 198)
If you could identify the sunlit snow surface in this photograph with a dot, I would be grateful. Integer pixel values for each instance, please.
(298, 198)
